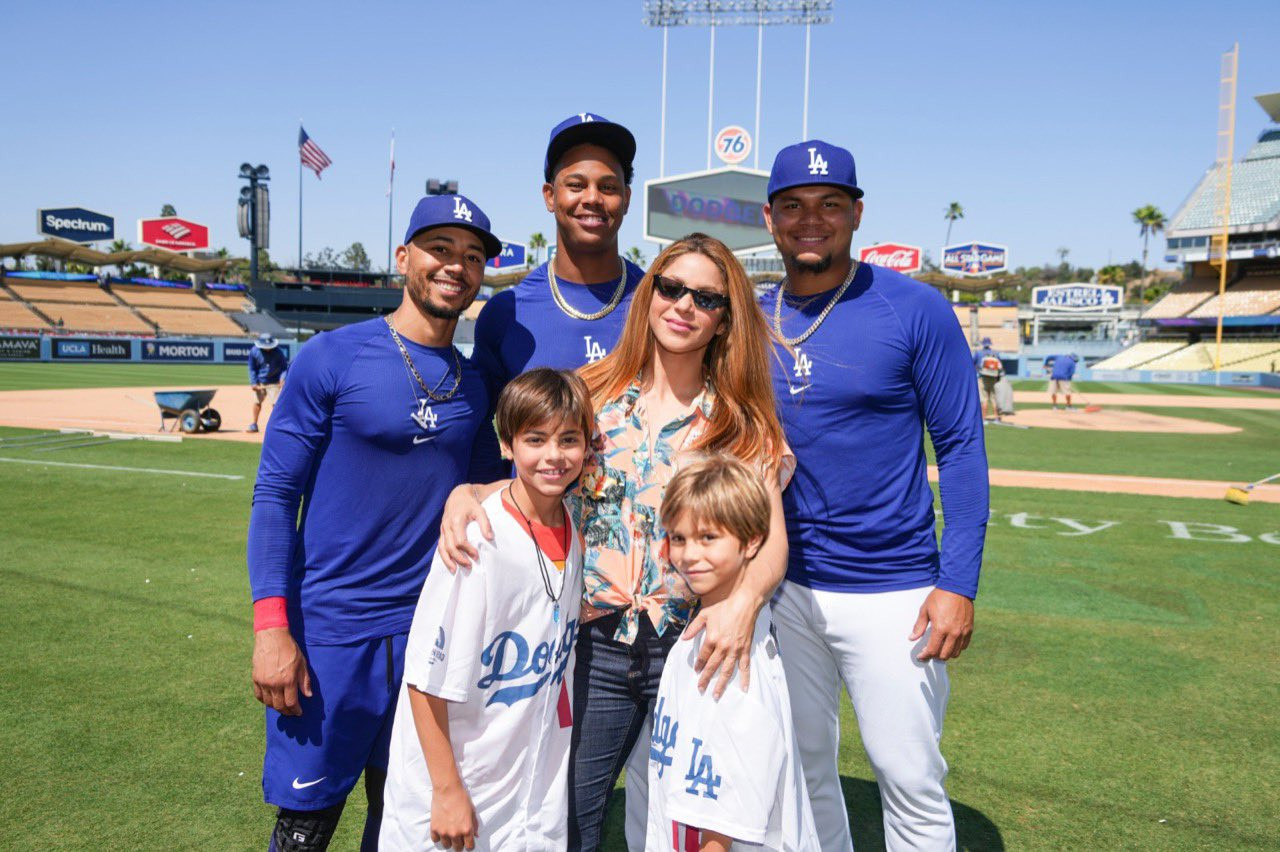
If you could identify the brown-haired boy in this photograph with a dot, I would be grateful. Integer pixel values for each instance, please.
(727, 770)
(480, 744)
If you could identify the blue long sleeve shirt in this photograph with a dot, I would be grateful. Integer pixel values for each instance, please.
(356, 444)
(854, 399)
(522, 328)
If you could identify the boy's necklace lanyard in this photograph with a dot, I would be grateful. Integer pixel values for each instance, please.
(547, 585)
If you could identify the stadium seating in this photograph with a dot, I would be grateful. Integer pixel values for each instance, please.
(1183, 298)
(998, 323)
(76, 292)
(1137, 355)
(1252, 297)
(227, 300)
(141, 296)
(188, 321)
(95, 318)
(14, 314)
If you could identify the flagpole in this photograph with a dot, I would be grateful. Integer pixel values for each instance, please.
(299, 201)
(391, 184)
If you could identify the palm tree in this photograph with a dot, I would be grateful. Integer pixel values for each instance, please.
(634, 255)
(168, 210)
(537, 242)
(1151, 221)
(954, 212)
(115, 248)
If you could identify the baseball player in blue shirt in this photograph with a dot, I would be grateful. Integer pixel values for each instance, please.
(374, 428)
(570, 310)
(1063, 371)
(871, 357)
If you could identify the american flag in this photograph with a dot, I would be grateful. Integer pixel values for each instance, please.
(312, 157)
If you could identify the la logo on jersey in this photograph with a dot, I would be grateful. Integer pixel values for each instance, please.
(462, 212)
(594, 350)
(804, 367)
(817, 163)
(425, 418)
(663, 739)
(701, 773)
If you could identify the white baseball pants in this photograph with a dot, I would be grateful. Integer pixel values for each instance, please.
(861, 639)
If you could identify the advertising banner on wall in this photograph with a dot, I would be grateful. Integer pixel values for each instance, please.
(733, 145)
(176, 350)
(92, 350)
(19, 348)
(238, 352)
(975, 258)
(896, 256)
(511, 256)
(75, 224)
(173, 234)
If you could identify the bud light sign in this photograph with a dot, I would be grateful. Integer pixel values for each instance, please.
(896, 256)
(75, 224)
(975, 258)
(1077, 297)
(511, 256)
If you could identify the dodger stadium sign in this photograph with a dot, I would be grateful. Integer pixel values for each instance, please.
(1077, 297)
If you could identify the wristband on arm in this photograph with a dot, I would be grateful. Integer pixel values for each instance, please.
(270, 612)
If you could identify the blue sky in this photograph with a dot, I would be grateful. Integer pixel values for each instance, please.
(1049, 123)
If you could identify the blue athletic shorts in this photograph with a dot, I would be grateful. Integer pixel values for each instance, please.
(314, 760)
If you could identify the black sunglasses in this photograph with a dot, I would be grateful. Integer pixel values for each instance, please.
(673, 291)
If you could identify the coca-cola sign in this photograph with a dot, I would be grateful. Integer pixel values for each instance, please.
(896, 256)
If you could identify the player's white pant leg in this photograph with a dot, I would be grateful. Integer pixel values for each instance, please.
(900, 703)
(637, 785)
(813, 686)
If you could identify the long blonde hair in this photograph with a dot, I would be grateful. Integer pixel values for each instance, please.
(744, 420)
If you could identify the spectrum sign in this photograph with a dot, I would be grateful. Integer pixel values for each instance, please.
(975, 258)
(173, 234)
(896, 256)
(75, 224)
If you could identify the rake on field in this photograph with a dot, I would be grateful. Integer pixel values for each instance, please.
(1240, 496)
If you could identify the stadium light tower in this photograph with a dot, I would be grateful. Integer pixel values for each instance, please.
(254, 213)
(727, 13)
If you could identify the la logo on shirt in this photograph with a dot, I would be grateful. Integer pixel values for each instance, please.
(594, 350)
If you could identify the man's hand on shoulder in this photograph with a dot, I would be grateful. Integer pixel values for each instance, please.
(951, 616)
(279, 671)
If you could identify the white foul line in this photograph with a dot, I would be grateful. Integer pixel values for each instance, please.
(130, 469)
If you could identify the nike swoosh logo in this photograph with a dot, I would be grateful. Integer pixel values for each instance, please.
(795, 391)
(422, 439)
(300, 786)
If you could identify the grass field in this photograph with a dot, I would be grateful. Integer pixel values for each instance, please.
(1120, 692)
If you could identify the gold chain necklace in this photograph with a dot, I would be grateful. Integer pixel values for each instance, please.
(835, 297)
(404, 353)
(571, 311)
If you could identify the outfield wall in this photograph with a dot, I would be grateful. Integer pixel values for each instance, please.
(1034, 369)
(82, 348)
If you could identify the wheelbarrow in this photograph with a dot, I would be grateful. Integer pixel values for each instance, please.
(189, 410)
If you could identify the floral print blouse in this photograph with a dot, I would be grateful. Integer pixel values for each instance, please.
(616, 509)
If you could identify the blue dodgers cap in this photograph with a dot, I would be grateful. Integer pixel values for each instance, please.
(813, 163)
(452, 211)
(584, 128)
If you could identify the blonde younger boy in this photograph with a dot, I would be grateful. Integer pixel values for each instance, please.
(723, 773)
(480, 743)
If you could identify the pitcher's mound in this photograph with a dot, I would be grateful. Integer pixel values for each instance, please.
(1116, 420)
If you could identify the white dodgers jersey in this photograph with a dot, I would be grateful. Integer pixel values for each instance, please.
(729, 766)
(490, 641)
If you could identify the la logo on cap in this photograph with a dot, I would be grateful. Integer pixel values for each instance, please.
(817, 164)
(586, 116)
(462, 211)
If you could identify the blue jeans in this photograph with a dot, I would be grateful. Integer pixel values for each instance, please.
(614, 688)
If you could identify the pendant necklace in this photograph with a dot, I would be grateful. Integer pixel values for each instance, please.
(547, 585)
(431, 393)
(570, 311)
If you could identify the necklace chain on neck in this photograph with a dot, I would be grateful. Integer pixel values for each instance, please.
(431, 394)
(542, 562)
(831, 303)
(570, 310)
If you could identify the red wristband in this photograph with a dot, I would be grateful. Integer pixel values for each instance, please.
(270, 612)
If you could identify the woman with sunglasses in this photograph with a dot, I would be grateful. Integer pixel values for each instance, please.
(690, 374)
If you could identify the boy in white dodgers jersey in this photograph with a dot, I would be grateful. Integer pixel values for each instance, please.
(480, 744)
(723, 773)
